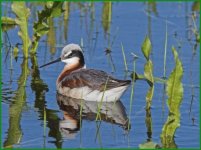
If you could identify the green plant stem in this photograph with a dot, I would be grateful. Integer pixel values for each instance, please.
(132, 95)
(44, 122)
(156, 79)
(100, 104)
(165, 52)
(123, 53)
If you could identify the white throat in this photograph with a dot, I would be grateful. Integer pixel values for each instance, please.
(73, 60)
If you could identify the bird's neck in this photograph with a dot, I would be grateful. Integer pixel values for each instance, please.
(68, 69)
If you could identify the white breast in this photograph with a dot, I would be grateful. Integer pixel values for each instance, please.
(88, 94)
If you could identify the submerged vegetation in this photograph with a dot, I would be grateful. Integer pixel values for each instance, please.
(44, 25)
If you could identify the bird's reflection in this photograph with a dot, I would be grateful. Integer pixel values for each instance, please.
(76, 110)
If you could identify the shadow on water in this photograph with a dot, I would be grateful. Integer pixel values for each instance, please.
(40, 88)
(14, 132)
(76, 110)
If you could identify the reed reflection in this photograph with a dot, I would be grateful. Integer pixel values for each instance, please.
(40, 88)
(14, 133)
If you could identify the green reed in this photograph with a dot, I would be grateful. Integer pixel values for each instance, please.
(165, 51)
(132, 92)
(44, 122)
(124, 57)
(100, 104)
(106, 16)
(98, 124)
(81, 110)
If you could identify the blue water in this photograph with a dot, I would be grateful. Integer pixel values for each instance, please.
(129, 25)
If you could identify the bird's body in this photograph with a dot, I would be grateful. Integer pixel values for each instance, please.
(89, 84)
(92, 85)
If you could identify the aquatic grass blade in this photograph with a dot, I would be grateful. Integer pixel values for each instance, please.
(132, 93)
(124, 57)
(174, 92)
(44, 122)
(165, 52)
(101, 102)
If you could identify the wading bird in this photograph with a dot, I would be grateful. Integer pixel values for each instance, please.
(89, 84)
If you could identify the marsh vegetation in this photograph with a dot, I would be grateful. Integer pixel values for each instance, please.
(155, 45)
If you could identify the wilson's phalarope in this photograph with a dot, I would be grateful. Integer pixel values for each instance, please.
(78, 82)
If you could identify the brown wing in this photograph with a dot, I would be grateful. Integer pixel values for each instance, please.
(94, 79)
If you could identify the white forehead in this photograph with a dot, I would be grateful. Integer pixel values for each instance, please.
(70, 47)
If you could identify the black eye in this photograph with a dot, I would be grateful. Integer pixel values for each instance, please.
(70, 55)
(67, 56)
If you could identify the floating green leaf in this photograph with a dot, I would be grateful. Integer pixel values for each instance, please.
(174, 92)
(22, 13)
(41, 27)
(146, 47)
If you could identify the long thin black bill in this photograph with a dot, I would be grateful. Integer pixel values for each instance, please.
(57, 60)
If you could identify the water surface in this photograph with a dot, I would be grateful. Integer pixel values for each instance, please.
(23, 103)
